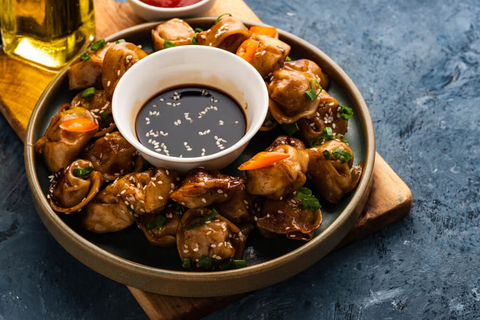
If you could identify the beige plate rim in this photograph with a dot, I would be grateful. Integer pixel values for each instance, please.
(192, 284)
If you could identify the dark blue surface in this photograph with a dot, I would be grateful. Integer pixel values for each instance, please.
(417, 64)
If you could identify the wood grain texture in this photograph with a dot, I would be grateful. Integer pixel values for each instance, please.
(21, 85)
(389, 201)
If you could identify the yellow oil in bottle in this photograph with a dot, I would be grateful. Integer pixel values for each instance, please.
(46, 32)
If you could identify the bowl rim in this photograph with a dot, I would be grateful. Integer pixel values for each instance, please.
(251, 131)
(279, 268)
(171, 10)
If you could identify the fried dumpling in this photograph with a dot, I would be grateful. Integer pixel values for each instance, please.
(239, 207)
(161, 230)
(174, 30)
(145, 192)
(284, 176)
(118, 59)
(214, 240)
(305, 65)
(331, 170)
(270, 55)
(113, 156)
(201, 188)
(107, 213)
(60, 147)
(288, 216)
(73, 187)
(227, 34)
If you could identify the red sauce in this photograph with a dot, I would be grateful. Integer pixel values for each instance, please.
(170, 3)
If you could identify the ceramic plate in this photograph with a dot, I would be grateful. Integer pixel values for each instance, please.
(128, 258)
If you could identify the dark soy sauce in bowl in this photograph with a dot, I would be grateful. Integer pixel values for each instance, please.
(190, 121)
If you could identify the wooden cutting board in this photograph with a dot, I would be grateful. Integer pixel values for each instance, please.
(22, 84)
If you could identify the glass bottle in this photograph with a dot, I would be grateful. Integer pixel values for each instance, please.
(48, 33)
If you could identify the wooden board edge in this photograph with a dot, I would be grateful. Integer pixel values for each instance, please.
(14, 122)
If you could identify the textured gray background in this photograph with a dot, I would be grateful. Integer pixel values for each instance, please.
(417, 64)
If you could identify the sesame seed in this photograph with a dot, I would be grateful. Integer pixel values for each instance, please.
(293, 235)
(280, 211)
(220, 191)
(204, 200)
(213, 245)
(195, 250)
(287, 228)
(108, 84)
(160, 198)
(185, 251)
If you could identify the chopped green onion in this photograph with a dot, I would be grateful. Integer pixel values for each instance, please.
(104, 116)
(88, 93)
(326, 154)
(168, 44)
(309, 201)
(341, 137)
(157, 223)
(342, 155)
(315, 142)
(205, 262)
(232, 264)
(194, 40)
(120, 41)
(198, 30)
(328, 133)
(131, 210)
(220, 17)
(312, 93)
(290, 128)
(84, 56)
(268, 123)
(83, 173)
(202, 221)
(288, 58)
(177, 206)
(187, 263)
(346, 112)
(98, 44)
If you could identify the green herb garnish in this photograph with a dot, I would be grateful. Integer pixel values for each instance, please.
(194, 40)
(326, 154)
(290, 128)
(88, 93)
(309, 201)
(83, 173)
(157, 223)
(168, 44)
(342, 155)
(198, 30)
(205, 262)
(131, 210)
(220, 17)
(98, 44)
(341, 137)
(315, 142)
(84, 56)
(346, 112)
(268, 123)
(120, 41)
(104, 116)
(288, 58)
(187, 263)
(232, 264)
(202, 221)
(177, 206)
(312, 93)
(328, 133)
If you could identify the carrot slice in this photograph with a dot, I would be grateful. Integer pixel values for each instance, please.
(247, 49)
(263, 159)
(79, 125)
(266, 31)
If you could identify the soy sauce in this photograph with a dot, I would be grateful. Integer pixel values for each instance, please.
(190, 121)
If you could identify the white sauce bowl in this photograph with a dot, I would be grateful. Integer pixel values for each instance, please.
(152, 13)
(190, 65)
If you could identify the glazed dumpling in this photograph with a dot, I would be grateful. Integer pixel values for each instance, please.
(83, 74)
(305, 65)
(145, 192)
(100, 108)
(212, 241)
(107, 213)
(118, 59)
(288, 216)
(174, 30)
(270, 55)
(113, 156)
(201, 188)
(239, 207)
(73, 187)
(284, 176)
(59, 146)
(331, 169)
(227, 34)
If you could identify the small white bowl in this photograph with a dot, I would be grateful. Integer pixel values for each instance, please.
(200, 65)
(152, 13)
